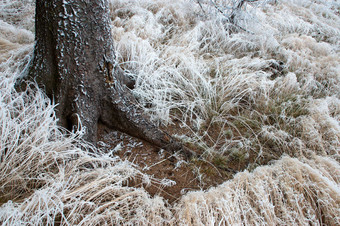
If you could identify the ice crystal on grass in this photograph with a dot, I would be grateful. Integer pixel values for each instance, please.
(269, 88)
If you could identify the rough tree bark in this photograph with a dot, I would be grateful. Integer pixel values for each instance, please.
(74, 62)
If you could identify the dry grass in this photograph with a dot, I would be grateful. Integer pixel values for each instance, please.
(288, 192)
(269, 91)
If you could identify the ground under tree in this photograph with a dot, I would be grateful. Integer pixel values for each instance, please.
(75, 63)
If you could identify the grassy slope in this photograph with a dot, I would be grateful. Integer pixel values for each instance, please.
(221, 87)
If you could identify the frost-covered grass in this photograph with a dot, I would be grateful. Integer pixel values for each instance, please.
(257, 92)
(47, 176)
(261, 90)
(290, 192)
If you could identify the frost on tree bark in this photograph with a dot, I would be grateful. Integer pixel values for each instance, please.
(74, 62)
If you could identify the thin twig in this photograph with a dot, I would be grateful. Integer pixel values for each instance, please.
(199, 3)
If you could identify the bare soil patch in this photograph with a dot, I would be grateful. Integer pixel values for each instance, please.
(174, 175)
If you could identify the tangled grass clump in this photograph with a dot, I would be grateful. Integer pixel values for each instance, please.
(265, 94)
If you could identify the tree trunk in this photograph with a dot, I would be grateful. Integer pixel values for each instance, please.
(75, 63)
